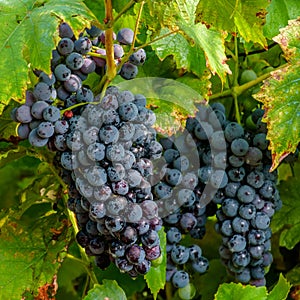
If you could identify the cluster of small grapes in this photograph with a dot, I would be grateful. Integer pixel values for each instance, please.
(247, 203)
(182, 201)
(107, 161)
(179, 255)
(106, 150)
(40, 118)
(123, 38)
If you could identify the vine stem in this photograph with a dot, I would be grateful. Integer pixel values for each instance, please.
(157, 39)
(123, 10)
(235, 79)
(109, 44)
(137, 23)
(132, 49)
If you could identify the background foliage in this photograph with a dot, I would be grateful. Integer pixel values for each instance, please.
(204, 44)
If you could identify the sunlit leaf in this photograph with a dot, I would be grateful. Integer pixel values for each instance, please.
(109, 290)
(28, 35)
(279, 13)
(246, 16)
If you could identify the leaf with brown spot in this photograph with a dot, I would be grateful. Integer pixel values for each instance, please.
(280, 95)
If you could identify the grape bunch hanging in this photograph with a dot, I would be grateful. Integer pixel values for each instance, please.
(108, 151)
(105, 149)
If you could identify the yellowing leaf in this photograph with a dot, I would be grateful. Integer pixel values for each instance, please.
(280, 97)
(246, 16)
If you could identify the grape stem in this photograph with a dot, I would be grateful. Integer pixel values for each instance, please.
(123, 10)
(109, 44)
(235, 79)
(157, 39)
(132, 49)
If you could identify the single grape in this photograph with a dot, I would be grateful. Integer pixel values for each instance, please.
(51, 113)
(42, 91)
(239, 147)
(23, 131)
(200, 265)
(241, 259)
(237, 243)
(109, 134)
(240, 225)
(83, 45)
(65, 46)
(246, 194)
(23, 114)
(188, 221)
(233, 131)
(230, 207)
(143, 267)
(236, 161)
(74, 61)
(261, 221)
(96, 151)
(73, 84)
(128, 71)
(150, 239)
(254, 156)
(247, 211)
(138, 58)
(203, 131)
(88, 66)
(128, 111)
(35, 140)
(180, 279)
(135, 254)
(231, 189)
(118, 51)
(65, 31)
(45, 129)
(125, 36)
(195, 252)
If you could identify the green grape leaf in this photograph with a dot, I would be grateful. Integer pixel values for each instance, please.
(11, 154)
(247, 17)
(279, 13)
(201, 85)
(293, 276)
(29, 33)
(16, 177)
(67, 278)
(190, 58)
(234, 291)
(286, 219)
(30, 257)
(280, 97)
(180, 15)
(109, 290)
(156, 277)
(280, 290)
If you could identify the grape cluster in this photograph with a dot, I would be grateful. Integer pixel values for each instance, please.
(107, 158)
(180, 258)
(41, 119)
(247, 203)
(124, 38)
(105, 148)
